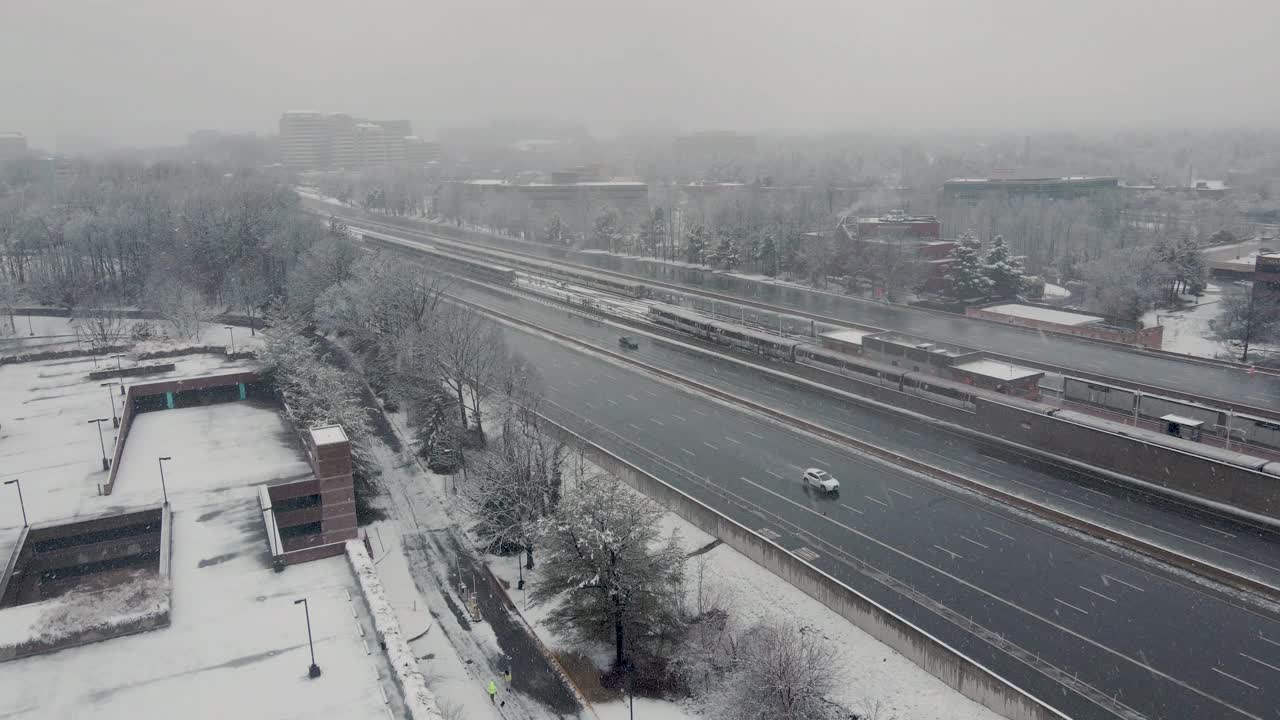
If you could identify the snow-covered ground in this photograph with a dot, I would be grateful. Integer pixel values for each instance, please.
(1055, 292)
(237, 643)
(1190, 330)
(59, 333)
(753, 595)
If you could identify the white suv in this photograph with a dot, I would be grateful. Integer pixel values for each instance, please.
(821, 480)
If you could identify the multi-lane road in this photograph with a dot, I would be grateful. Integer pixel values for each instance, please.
(1216, 381)
(1085, 628)
(1062, 618)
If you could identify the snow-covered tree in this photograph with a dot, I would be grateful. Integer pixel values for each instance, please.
(725, 254)
(555, 233)
(606, 232)
(696, 244)
(1248, 318)
(782, 672)
(604, 563)
(1004, 269)
(966, 278)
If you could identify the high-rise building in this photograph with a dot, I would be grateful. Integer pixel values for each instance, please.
(304, 139)
(12, 145)
(320, 141)
(419, 152)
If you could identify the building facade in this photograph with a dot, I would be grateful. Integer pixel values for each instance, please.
(337, 141)
(1009, 184)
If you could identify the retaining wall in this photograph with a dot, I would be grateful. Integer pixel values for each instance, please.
(935, 657)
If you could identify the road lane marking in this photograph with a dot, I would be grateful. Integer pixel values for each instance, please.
(997, 532)
(1220, 532)
(633, 397)
(735, 442)
(657, 422)
(774, 474)
(678, 417)
(1047, 620)
(899, 492)
(1105, 578)
(1095, 592)
(1002, 462)
(593, 407)
(1073, 607)
(690, 452)
(875, 500)
(553, 389)
(954, 555)
(1266, 639)
(573, 384)
(1267, 664)
(769, 533)
(975, 542)
(611, 377)
(611, 401)
(651, 393)
(818, 461)
(1233, 677)
(696, 410)
(850, 507)
(911, 432)
(713, 447)
(635, 427)
(758, 437)
(805, 553)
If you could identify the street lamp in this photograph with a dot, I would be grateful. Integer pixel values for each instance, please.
(120, 370)
(163, 490)
(313, 671)
(106, 465)
(115, 420)
(21, 504)
(232, 332)
(31, 331)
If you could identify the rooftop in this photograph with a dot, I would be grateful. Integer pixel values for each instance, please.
(236, 643)
(1034, 312)
(848, 336)
(998, 370)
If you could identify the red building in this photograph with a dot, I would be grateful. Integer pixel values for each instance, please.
(918, 234)
(923, 227)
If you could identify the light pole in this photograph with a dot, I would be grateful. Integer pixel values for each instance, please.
(164, 491)
(232, 332)
(313, 671)
(120, 372)
(105, 464)
(111, 398)
(21, 504)
(30, 331)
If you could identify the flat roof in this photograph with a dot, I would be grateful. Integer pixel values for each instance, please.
(919, 343)
(328, 435)
(849, 336)
(1182, 420)
(236, 645)
(1032, 312)
(998, 370)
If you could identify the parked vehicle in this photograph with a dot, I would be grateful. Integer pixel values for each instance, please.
(821, 480)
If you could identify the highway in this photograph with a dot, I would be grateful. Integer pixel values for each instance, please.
(1056, 615)
(1221, 382)
(1242, 548)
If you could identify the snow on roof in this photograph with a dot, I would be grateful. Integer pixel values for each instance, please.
(1181, 420)
(328, 435)
(998, 370)
(1032, 312)
(848, 336)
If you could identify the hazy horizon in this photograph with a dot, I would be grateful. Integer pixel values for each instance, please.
(150, 71)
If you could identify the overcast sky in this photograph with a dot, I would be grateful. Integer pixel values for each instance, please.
(149, 71)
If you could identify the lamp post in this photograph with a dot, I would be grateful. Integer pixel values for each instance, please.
(164, 491)
(30, 331)
(232, 332)
(21, 504)
(313, 671)
(111, 398)
(101, 443)
(120, 371)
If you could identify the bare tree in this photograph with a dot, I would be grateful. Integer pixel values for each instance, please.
(180, 305)
(469, 355)
(1249, 316)
(783, 672)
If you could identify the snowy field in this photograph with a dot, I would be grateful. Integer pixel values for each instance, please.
(237, 645)
(59, 333)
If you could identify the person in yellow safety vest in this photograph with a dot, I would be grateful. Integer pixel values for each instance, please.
(493, 691)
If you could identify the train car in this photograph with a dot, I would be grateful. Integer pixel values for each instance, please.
(734, 336)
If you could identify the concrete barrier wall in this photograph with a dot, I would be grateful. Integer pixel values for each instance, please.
(1164, 467)
(957, 671)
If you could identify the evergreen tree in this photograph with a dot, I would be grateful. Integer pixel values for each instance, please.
(966, 278)
(767, 255)
(555, 231)
(607, 233)
(1003, 269)
(696, 245)
(726, 253)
